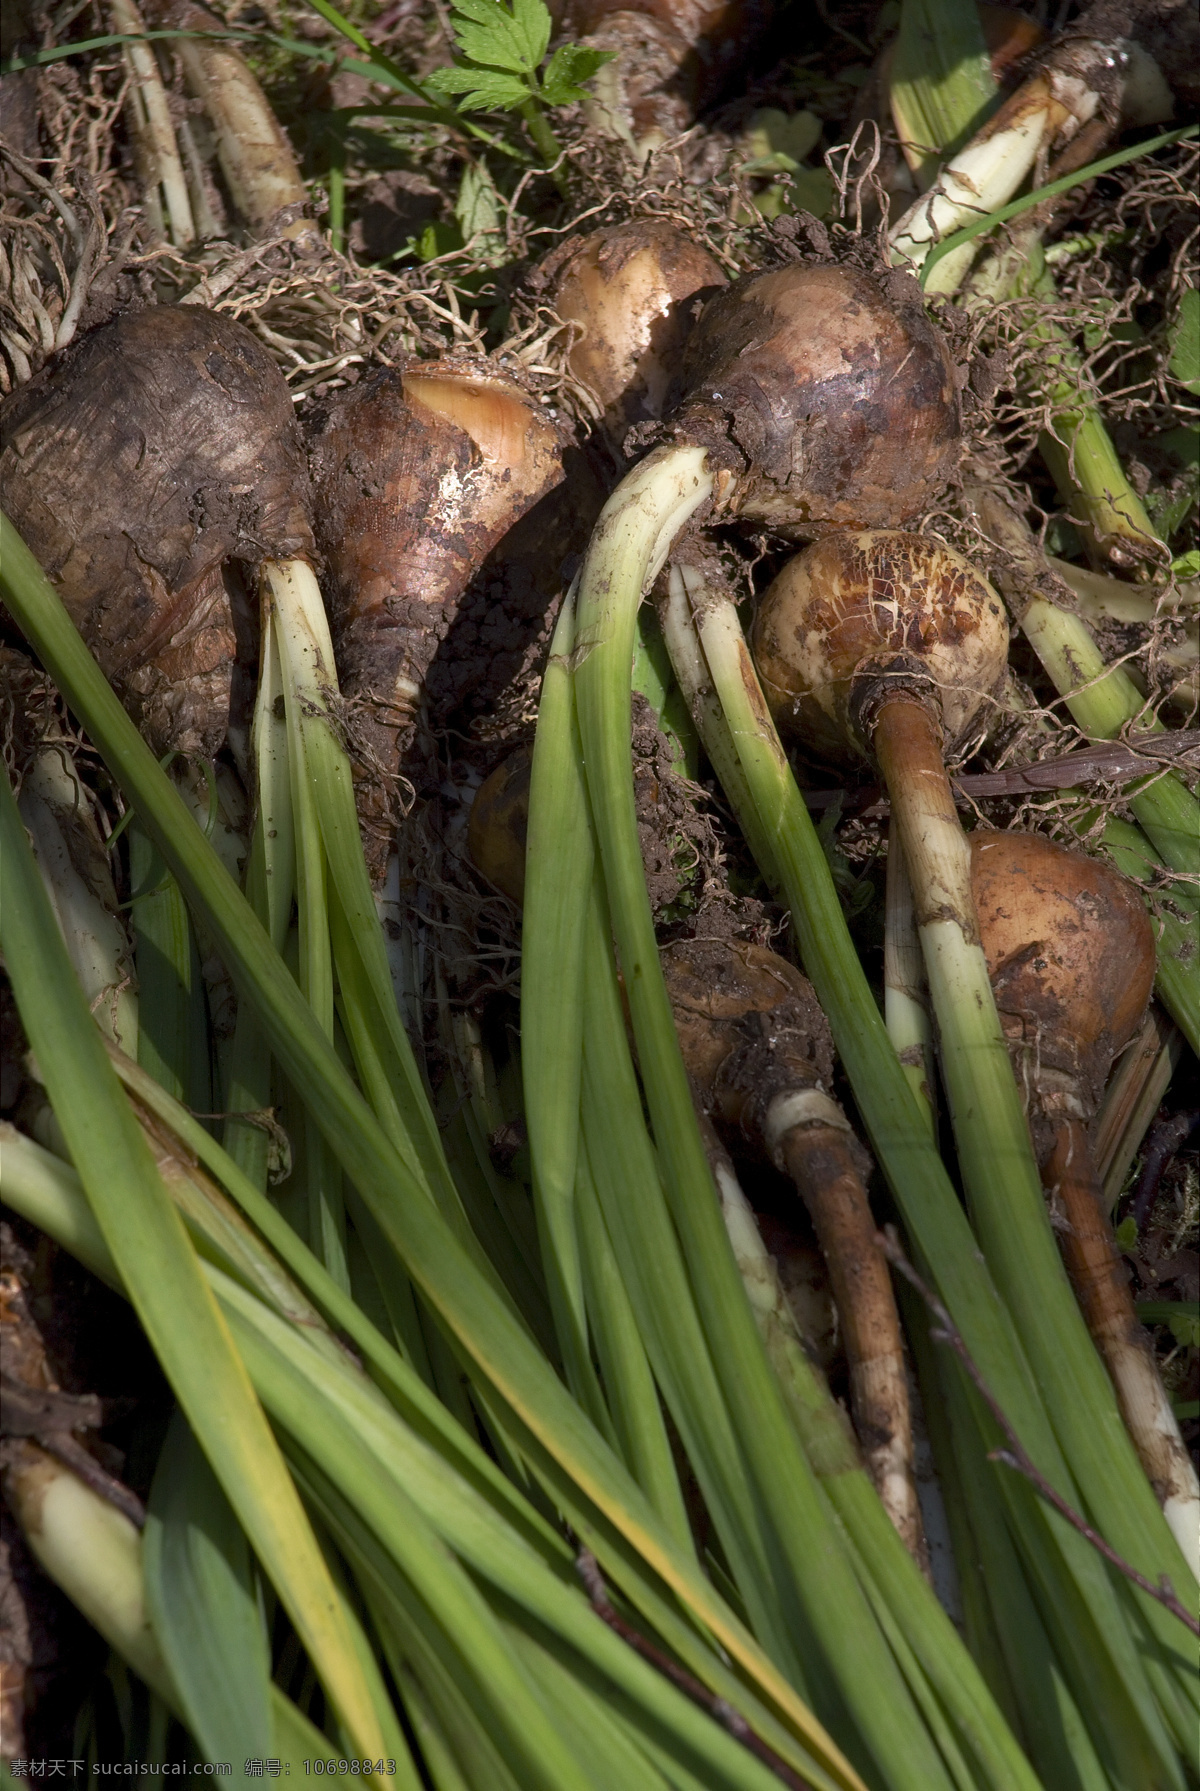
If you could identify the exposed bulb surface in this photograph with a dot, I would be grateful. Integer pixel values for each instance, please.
(632, 291)
(836, 388)
(859, 614)
(418, 475)
(1070, 951)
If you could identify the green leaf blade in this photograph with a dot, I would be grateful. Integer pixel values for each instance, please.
(569, 67)
(1185, 342)
(201, 1596)
(491, 47)
(159, 1267)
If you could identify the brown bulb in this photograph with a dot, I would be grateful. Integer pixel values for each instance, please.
(671, 58)
(858, 616)
(1070, 951)
(418, 475)
(759, 1051)
(157, 451)
(499, 823)
(733, 1001)
(633, 291)
(835, 388)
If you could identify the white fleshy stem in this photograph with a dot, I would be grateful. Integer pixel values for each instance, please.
(93, 1552)
(1062, 96)
(149, 114)
(981, 177)
(256, 158)
(905, 991)
(74, 867)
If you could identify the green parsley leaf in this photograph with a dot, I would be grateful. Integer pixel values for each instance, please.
(569, 67)
(487, 33)
(531, 26)
(481, 45)
(482, 89)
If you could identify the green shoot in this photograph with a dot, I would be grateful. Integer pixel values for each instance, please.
(500, 54)
(977, 226)
(161, 1271)
(588, 1484)
(942, 86)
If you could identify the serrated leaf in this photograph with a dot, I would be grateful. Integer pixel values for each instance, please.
(495, 45)
(532, 24)
(482, 11)
(568, 68)
(482, 90)
(1185, 342)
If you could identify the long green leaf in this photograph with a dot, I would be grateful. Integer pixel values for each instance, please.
(815, 1586)
(160, 1271)
(938, 1227)
(203, 1604)
(501, 1350)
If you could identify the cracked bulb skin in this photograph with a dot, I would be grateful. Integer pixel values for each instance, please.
(861, 616)
(632, 292)
(419, 473)
(828, 394)
(143, 467)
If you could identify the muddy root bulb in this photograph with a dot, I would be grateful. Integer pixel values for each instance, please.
(1070, 951)
(828, 394)
(150, 470)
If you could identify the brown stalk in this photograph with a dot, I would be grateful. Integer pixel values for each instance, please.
(1101, 1284)
(722, 1712)
(758, 1050)
(671, 58)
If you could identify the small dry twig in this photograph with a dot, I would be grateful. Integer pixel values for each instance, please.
(1117, 761)
(1015, 1456)
(588, 1569)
